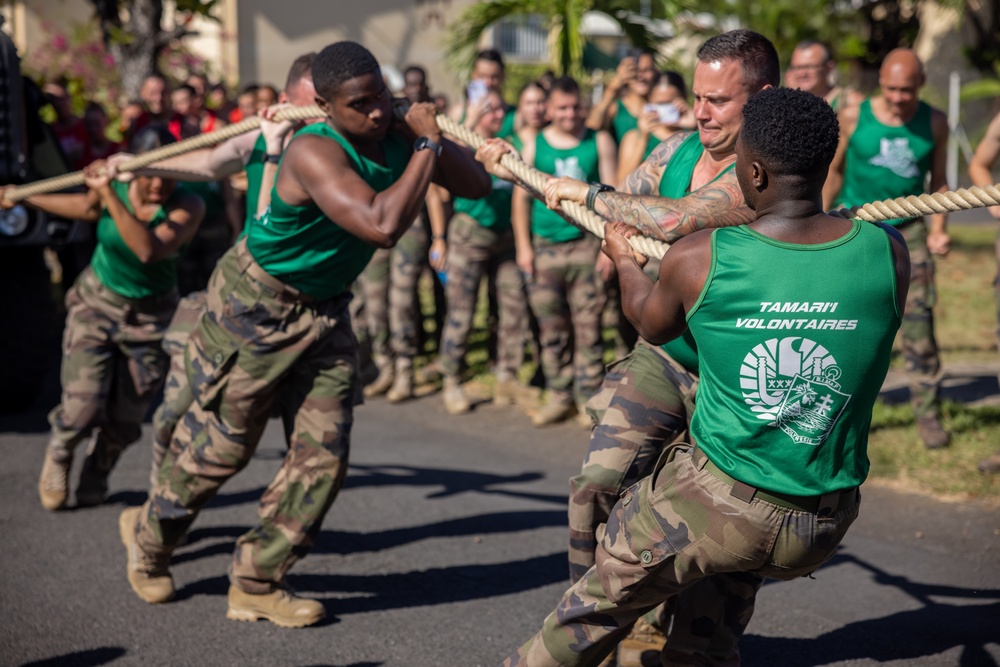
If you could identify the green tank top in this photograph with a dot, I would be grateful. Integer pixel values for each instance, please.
(622, 122)
(508, 121)
(255, 173)
(118, 267)
(797, 356)
(676, 184)
(301, 246)
(580, 162)
(493, 210)
(883, 162)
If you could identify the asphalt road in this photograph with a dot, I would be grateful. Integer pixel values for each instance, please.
(446, 547)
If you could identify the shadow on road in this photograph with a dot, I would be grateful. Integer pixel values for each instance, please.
(935, 627)
(89, 658)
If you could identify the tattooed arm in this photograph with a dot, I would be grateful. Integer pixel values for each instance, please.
(717, 204)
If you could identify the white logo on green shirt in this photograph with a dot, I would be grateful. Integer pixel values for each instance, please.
(792, 384)
(896, 156)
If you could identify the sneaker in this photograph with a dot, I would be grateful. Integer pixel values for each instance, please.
(93, 486)
(932, 433)
(282, 607)
(402, 386)
(53, 482)
(642, 646)
(990, 465)
(149, 575)
(382, 383)
(553, 412)
(455, 400)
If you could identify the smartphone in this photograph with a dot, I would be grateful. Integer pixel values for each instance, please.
(476, 90)
(668, 113)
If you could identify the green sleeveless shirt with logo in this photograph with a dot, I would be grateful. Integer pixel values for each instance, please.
(302, 247)
(794, 343)
(118, 268)
(676, 184)
(580, 162)
(884, 161)
(493, 210)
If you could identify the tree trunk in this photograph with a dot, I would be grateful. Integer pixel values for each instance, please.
(136, 54)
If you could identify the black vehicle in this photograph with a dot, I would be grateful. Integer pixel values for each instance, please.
(29, 323)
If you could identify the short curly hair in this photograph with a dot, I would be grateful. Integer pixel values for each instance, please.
(791, 131)
(340, 62)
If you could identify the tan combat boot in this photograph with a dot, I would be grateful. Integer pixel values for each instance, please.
(642, 647)
(932, 433)
(402, 386)
(555, 410)
(53, 483)
(506, 390)
(990, 465)
(383, 382)
(149, 576)
(455, 400)
(281, 607)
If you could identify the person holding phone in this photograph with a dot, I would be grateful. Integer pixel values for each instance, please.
(666, 113)
(624, 97)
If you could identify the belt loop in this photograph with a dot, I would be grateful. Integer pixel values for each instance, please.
(743, 492)
(698, 457)
(828, 503)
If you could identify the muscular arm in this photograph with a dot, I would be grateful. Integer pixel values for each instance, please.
(601, 114)
(84, 206)
(981, 164)
(658, 311)
(901, 260)
(312, 163)
(987, 153)
(937, 239)
(206, 164)
(607, 157)
(717, 204)
(162, 241)
(835, 177)
(458, 172)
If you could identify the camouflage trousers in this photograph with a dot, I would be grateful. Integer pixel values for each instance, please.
(475, 251)
(112, 367)
(176, 390)
(674, 528)
(391, 307)
(257, 341)
(644, 404)
(919, 346)
(567, 297)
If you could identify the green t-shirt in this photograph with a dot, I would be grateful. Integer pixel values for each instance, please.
(794, 343)
(118, 267)
(493, 210)
(884, 161)
(580, 162)
(508, 121)
(675, 184)
(301, 246)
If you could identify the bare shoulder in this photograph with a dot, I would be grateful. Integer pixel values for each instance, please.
(848, 118)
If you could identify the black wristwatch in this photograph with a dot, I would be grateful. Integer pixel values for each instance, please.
(596, 189)
(423, 142)
(273, 158)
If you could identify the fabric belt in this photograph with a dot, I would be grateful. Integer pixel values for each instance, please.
(246, 262)
(823, 505)
(142, 304)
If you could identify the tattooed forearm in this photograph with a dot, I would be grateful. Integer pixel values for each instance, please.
(719, 204)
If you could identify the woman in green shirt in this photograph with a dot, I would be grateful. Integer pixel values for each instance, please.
(116, 314)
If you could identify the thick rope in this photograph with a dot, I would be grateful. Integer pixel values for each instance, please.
(889, 209)
(170, 150)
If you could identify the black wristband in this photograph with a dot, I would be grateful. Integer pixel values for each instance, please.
(596, 189)
(273, 158)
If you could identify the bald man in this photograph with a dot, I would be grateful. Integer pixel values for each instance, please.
(812, 68)
(888, 146)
